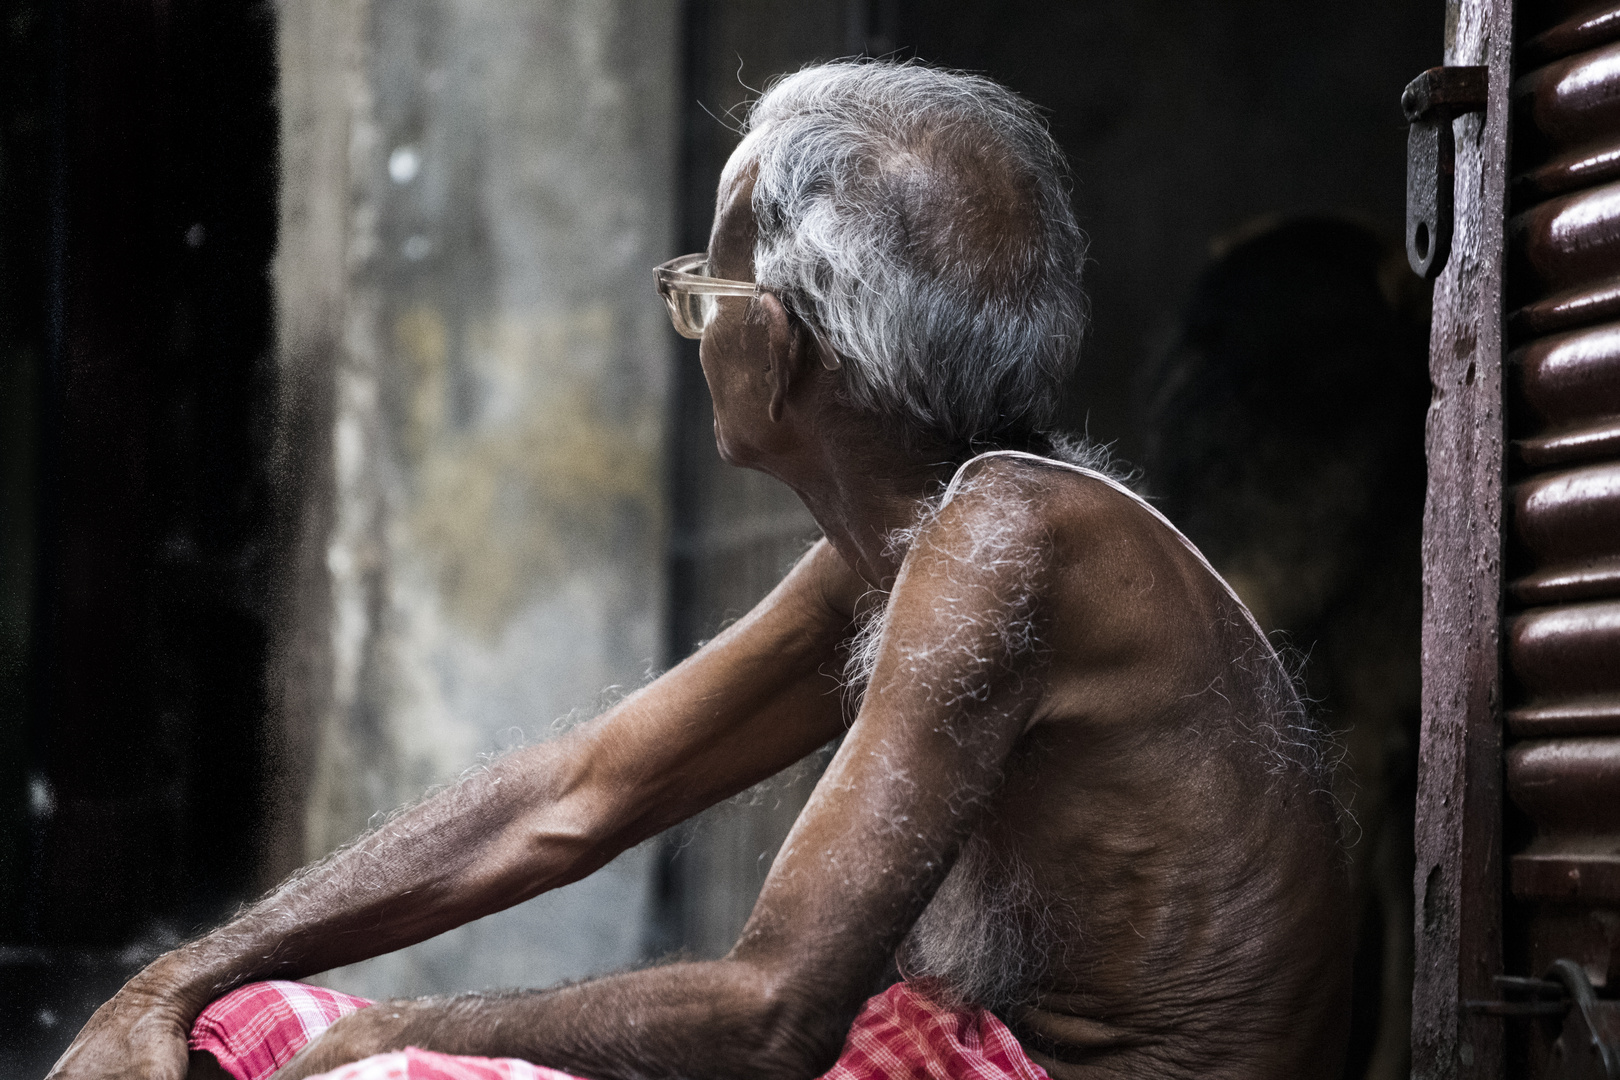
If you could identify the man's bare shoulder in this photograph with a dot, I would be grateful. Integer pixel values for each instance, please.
(1090, 524)
(1015, 502)
(1130, 615)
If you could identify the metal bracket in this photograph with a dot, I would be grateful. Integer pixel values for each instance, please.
(1589, 1046)
(1431, 102)
(1523, 997)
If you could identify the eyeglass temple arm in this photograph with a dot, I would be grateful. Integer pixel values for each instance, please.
(724, 287)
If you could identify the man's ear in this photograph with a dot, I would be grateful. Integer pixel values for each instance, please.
(788, 352)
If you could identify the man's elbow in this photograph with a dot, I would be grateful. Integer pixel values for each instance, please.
(567, 839)
(523, 830)
(796, 1026)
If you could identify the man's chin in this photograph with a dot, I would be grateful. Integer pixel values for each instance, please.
(733, 454)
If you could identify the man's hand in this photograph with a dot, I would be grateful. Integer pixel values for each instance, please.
(140, 1032)
(376, 1030)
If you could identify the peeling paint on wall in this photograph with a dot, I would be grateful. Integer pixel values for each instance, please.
(497, 534)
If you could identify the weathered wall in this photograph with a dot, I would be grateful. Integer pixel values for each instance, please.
(474, 197)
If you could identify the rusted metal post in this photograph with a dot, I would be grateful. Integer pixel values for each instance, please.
(1459, 862)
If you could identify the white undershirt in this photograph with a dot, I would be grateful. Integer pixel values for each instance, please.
(950, 492)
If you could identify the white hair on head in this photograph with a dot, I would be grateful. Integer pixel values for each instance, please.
(920, 220)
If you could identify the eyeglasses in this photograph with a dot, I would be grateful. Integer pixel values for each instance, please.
(690, 292)
(691, 296)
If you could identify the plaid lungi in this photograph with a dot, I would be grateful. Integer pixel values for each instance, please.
(901, 1034)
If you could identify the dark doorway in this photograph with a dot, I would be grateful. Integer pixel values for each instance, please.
(137, 219)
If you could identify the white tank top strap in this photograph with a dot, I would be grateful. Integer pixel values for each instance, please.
(956, 481)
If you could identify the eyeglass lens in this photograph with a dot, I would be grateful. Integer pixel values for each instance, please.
(692, 311)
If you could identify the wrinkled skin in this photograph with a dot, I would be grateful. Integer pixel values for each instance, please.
(1200, 895)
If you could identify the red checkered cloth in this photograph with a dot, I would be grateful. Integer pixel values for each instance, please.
(257, 1029)
(901, 1034)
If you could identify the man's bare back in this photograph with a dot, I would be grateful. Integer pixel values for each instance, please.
(1168, 812)
(1073, 783)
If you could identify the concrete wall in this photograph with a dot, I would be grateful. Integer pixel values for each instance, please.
(475, 192)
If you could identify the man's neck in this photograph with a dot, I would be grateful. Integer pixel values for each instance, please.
(861, 488)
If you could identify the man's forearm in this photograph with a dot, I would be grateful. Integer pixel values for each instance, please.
(470, 850)
(717, 1019)
(542, 817)
(745, 706)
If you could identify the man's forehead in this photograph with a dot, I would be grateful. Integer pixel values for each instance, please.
(734, 213)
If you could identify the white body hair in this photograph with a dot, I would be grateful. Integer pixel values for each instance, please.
(920, 220)
(989, 935)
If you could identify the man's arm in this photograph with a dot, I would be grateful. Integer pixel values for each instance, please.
(751, 702)
(955, 684)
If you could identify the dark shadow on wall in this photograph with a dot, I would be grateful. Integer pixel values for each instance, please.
(1185, 119)
(1284, 434)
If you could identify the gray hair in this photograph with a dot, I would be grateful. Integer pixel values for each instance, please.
(920, 220)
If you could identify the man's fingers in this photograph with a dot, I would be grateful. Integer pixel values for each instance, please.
(123, 1041)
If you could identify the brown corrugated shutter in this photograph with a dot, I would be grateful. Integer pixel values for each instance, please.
(1562, 628)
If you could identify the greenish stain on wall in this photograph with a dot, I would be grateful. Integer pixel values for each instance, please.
(507, 505)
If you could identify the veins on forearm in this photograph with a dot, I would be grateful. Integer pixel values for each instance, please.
(718, 1019)
(402, 882)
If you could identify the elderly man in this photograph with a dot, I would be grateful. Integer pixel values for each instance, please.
(1076, 805)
